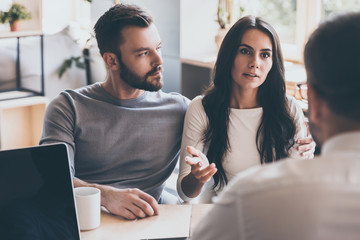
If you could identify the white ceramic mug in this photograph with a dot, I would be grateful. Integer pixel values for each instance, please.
(88, 207)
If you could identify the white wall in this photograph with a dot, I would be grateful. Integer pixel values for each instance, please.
(98, 8)
(59, 14)
(198, 26)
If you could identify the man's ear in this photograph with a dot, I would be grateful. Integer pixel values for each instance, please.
(111, 61)
(316, 106)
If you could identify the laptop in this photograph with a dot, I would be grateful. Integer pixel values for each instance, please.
(36, 194)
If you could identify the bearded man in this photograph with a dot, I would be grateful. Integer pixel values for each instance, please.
(123, 134)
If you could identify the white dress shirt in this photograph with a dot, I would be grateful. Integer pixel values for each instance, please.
(242, 129)
(293, 199)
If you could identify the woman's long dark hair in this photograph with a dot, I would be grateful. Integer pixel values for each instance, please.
(275, 135)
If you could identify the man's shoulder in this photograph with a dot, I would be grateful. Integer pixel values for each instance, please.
(173, 97)
(85, 90)
(71, 96)
(294, 172)
(80, 91)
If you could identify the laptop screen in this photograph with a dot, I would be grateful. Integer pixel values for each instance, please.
(36, 194)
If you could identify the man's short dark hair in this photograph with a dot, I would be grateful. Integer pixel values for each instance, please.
(332, 61)
(108, 28)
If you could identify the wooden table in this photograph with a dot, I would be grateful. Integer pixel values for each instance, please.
(174, 221)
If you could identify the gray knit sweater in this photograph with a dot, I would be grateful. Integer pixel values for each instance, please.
(124, 143)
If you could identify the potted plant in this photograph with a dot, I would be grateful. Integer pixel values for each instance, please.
(16, 13)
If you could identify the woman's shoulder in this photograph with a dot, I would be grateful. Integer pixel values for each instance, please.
(293, 103)
(196, 107)
(196, 102)
(291, 99)
(297, 113)
(197, 98)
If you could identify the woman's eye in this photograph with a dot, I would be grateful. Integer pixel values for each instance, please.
(265, 55)
(244, 51)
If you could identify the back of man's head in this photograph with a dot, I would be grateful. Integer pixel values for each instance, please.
(108, 28)
(332, 61)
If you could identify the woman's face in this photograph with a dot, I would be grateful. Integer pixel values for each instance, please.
(253, 60)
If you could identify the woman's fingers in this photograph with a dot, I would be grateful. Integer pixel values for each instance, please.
(200, 167)
(200, 173)
(209, 175)
(305, 146)
(304, 140)
(193, 151)
(308, 154)
(197, 154)
(192, 160)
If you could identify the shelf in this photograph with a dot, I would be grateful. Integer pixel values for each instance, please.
(14, 94)
(206, 60)
(22, 102)
(21, 121)
(7, 34)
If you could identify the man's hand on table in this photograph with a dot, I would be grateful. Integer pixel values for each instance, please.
(130, 203)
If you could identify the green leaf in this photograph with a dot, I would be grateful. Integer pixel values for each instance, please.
(66, 65)
(80, 64)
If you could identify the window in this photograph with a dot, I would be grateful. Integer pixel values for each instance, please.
(295, 20)
(330, 7)
(280, 13)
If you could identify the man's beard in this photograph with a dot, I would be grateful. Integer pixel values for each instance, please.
(135, 81)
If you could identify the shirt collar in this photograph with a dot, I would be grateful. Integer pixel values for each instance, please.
(348, 141)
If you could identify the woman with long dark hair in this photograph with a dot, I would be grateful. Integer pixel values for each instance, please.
(245, 117)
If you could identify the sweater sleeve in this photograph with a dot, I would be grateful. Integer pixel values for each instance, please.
(59, 125)
(300, 123)
(195, 124)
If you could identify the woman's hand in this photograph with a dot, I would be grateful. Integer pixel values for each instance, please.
(306, 147)
(200, 167)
